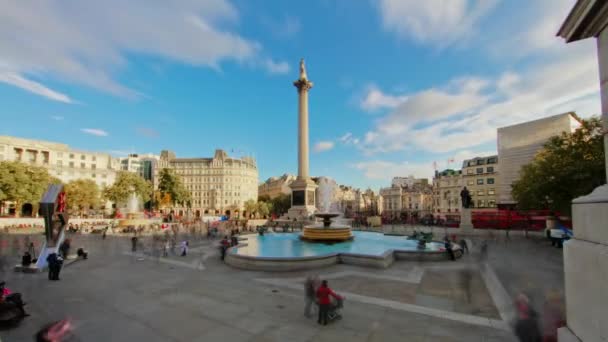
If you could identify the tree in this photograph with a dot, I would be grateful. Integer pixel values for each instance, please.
(23, 183)
(251, 207)
(162, 200)
(126, 184)
(263, 209)
(82, 194)
(569, 166)
(280, 204)
(171, 184)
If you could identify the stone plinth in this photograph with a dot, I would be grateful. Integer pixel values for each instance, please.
(586, 269)
(302, 199)
(321, 234)
(466, 223)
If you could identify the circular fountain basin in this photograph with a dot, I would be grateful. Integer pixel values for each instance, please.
(330, 234)
(287, 252)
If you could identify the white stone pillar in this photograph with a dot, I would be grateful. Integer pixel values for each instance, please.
(303, 129)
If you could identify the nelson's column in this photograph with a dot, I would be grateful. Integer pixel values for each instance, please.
(303, 188)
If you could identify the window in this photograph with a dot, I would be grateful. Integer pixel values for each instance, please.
(82, 166)
(493, 160)
(492, 203)
(469, 171)
(93, 166)
(93, 176)
(71, 155)
(59, 154)
(94, 158)
(471, 182)
(479, 170)
(480, 193)
(490, 181)
(59, 163)
(490, 169)
(480, 181)
(83, 157)
(481, 204)
(103, 175)
(490, 191)
(71, 164)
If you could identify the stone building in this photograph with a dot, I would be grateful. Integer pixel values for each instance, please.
(415, 200)
(408, 181)
(142, 164)
(61, 161)
(480, 176)
(275, 186)
(518, 144)
(219, 185)
(447, 185)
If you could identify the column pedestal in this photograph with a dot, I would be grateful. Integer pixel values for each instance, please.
(586, 269)
(466, 224)
(302, 199)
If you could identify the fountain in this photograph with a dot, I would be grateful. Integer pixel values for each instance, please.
(326, 232)
(134, 216)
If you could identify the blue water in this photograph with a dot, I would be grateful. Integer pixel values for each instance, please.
(281, 245)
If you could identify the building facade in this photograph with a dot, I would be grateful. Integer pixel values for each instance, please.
(447, 185)
(60, 160)
(518, 144)
(142, 164)
(276, 186)
(408, 201)
(480, 176)
(218, 186)
(408, 181)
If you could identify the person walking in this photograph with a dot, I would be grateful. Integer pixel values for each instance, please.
(309, 296)
(323, 294)
(184, 246)
(224, 245)
(134, 243)
(526, 325)
(465, 246)
(54, 264)
(448, 248)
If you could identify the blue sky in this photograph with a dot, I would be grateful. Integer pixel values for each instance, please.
(399, 84)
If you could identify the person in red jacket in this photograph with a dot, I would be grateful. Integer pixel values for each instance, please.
(323, 293)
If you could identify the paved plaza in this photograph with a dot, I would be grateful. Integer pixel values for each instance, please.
(116, 295)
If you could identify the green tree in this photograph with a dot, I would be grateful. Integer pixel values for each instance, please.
(23, 183)
(569, 166)
(127, 183)
(280, 204)
(82, 194)
(251, 207)
(171, 184)
(263, 209)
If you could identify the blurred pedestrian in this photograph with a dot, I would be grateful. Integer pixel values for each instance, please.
(526, 324)
(465, 246)
(553, 316)
(184, 247)
(134, 243)
(309, 295)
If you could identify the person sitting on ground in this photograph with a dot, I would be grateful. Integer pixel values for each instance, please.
(82, 254)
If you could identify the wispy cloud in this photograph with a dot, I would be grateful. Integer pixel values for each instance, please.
(34, 87)
(439, 22)
(323, 146)
(286, 27)
(95, 131)
(88, 42)
(375, 99)
(147, 132)
(57, 117)
(276, 67)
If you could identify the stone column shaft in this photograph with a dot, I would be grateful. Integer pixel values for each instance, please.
(303, 133)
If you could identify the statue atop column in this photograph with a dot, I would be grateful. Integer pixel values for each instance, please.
(302, 70)
(465, 198)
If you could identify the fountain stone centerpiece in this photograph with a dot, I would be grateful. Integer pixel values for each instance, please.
(327, 232)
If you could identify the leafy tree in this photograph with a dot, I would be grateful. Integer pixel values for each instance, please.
(82, 194)
(280, 204)
(251, 207)
(23, 183)
(569, 166)
(127, 183)
(171, 184)
(263, 209)
(162, 200)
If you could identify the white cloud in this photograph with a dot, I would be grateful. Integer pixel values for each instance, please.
(95, 131)
(19, 81)
(276, 67)
(87, 42)
(376, 99)
(440, 22)
(284, 28)
(349, 139)
(442, 120)
(57, 117)
(323, 146)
